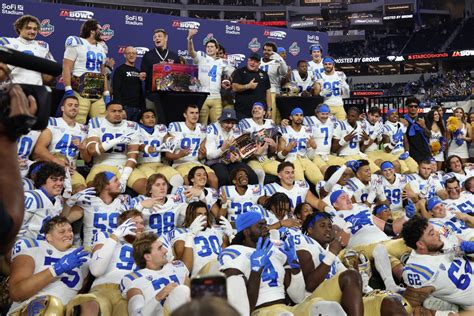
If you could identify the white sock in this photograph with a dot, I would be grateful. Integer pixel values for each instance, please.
(176, 181)
(382, 264)
(260, 175)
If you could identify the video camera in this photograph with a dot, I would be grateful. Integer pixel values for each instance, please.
(22, 124)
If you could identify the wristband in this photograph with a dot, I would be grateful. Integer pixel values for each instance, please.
(106, 93)
(189, 240)
(67, 88)
(133, 152)
(147, 149)
(280, 155)
(133, 160)
(97, 149)
(51, 269)
(329, 258)
(342, 142)
(225, 205)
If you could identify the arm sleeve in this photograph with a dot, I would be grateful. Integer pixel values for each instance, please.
(101, 258)
(211, 144)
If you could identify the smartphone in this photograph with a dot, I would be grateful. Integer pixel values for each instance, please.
(211, 285)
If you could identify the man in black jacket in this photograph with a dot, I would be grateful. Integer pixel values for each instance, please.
(127, 85)
(158, 54)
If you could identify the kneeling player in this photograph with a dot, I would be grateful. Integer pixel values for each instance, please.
(46, 273)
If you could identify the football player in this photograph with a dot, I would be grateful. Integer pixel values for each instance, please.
(431, 273)
(188, 137)
(332, 85)
(276, 68)
(83, 71)
(365, 186)
(27, 27)
(349, 136)
(46, 274)
(151, 149)
(315, 65)
(200, 243)
(297, 190)
(239, 198)
(158, 286)
(296, 145)
(303, 79)
(211, 69)
(112, 259)
(455, 169)
(463, 202)
(65, 137)
(114, 142)
(260, 162)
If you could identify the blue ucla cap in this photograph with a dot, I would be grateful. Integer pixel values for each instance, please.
(247, 219)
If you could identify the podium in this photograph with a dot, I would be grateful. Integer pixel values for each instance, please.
(308, 104)
(169, 105)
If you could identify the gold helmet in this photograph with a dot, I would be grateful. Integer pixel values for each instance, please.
(45, 305)
(290, 89)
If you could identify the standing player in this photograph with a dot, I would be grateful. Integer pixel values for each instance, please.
(151, 148)
(241, 196)
(323, 131)
(114, 142)
(297, 190)
(159, 285)
(315, 65)
(261, 163)
(332, 86)
(211, 69)
(296, 145)
(65, 137)
(46, 273)
(27, 28)
(188, 137)
(83, 71)
(303, 78)
(394, 142)
(349, 137)
(112, 259)
(276, 68)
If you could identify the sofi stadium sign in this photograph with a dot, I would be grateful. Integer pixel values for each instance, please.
(405, 58)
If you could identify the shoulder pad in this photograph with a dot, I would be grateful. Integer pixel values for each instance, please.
(161, 128)
(177, 263)
(228, 252)
(4, 40)
(134, 275)
(43, 44)
(211, 129)
(175, 127)
(29, 242)
(33, 196)
(73, 41)
(52, 121)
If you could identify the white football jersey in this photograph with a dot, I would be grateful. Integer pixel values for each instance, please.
(210, 73)
(297, 194)
(35, 48)
(322, 133)
(38, 209)
(362, 226)
(116, 156)
(216, 136)
(332, 83)
(184, 137)
(239, 204)
(62, 136)
(451, 278)
(44, 255)
(396, 133)
(120, 264)
(427, 188)
(154, 139)
(87, 57)
(464, 204)
(25, 145)
(162, 219)
(272, 280)
(275, 71)
(342, 129)
(360, 191)
(375, 132)
(393, 192)
(207, 246)
(316, 68)
(151, 282)
(305, 84)
(101, 217)
(301, 137)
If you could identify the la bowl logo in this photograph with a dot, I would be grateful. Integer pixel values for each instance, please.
(279, 35)
(106, 33)
(235, 59)
(294, 49)
(254, 45)
(185, 25)
(76, 15)
(46, 28)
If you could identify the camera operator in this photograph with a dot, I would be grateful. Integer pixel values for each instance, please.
(27, 28)
(11, 189)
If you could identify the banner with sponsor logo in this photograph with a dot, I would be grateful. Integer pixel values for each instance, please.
(124, 28)
(466, 53)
